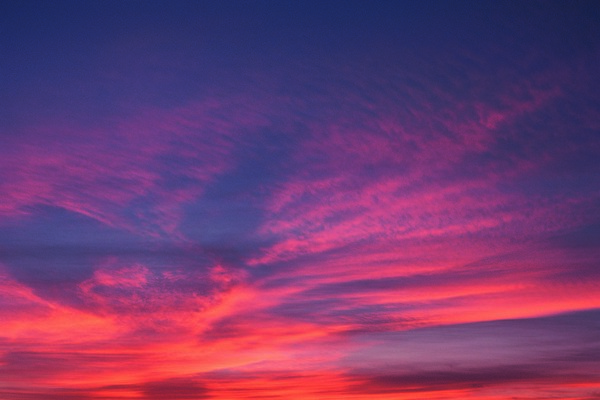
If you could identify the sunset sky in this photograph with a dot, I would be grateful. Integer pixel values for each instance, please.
(299, 200)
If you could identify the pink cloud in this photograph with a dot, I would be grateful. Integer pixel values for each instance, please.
(103, 172)
(377, 220)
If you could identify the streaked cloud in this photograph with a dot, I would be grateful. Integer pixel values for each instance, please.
(211, 203)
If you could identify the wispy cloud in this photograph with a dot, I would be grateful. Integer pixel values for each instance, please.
(363, 217)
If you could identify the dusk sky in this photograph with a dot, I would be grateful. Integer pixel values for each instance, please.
(299, 200)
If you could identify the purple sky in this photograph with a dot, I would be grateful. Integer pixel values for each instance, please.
(299, 200)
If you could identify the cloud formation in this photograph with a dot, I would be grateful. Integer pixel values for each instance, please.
(213, 204)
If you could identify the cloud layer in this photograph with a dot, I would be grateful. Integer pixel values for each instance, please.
(213, 204)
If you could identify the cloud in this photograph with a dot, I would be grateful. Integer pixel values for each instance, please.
(135, 174)
(176, 389)
(431, 381)
(180, 222)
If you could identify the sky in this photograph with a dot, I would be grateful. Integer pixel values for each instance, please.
(299, 200)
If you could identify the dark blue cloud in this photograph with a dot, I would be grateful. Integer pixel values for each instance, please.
(545, 347)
